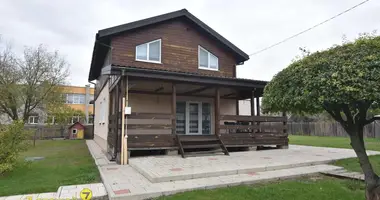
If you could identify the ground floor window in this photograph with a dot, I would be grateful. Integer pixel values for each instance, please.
(193, 118)
(33, 119)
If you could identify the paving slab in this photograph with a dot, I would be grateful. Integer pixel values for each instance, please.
(131, 185)
(345, 174)
(173, 168)
(98, 154)
(73, 191)
(134, 181)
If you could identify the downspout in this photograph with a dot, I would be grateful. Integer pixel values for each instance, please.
(93, 113)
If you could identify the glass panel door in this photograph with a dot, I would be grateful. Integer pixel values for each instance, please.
(194, 114)
(181, 118)
(206, 118)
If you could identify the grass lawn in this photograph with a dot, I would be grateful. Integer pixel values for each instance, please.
(351, 164)
(66, 162)
(336, 142)
(324, 188)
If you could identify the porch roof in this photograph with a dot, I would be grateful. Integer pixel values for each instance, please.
(187, 77)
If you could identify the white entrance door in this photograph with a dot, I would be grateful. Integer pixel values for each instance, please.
(193, 118)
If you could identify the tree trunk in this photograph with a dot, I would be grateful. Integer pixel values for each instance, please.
(371, 179)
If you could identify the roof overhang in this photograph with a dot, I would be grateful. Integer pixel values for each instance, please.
(182, 77)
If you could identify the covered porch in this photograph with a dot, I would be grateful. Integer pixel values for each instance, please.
(186, 113)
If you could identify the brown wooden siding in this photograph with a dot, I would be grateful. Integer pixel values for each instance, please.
(179, 48)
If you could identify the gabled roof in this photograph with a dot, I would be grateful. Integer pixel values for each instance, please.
(104, 35)
(76, 124)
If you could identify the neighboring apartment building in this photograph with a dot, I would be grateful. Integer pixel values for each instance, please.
(76, 97)
(79, 98)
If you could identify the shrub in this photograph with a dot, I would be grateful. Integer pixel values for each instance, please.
(13, 140)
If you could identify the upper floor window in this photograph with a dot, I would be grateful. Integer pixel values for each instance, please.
(75, 98)
(207, 60)
(149, 52)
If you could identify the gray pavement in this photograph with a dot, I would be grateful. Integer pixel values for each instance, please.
(154, 176)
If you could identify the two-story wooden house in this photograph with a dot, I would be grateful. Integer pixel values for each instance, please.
(178, 77)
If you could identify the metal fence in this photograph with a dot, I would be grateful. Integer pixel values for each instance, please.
(329, 129)
(41, 132)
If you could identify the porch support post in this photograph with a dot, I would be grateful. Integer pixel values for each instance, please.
(117, 121)
(217, 111)
(237, 106)
(124, 137)
(174, 109)
(258, 106)
(253, 103)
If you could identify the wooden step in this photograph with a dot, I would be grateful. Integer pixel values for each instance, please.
(197, 138)
(199, 142)
(200, 146)
(203, 153)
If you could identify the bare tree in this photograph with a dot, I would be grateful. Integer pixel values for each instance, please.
(30, 82)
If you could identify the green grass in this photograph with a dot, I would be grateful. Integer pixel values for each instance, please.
(351, 164)
(336, 142)
(325, 188)
(66, 162)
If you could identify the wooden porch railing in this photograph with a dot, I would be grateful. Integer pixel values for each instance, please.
(152, 117)
(150, 121)
(244, 131)
(253, 124)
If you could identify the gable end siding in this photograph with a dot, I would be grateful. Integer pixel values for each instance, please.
(179, 48)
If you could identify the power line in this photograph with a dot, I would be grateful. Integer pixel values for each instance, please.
(306, 30)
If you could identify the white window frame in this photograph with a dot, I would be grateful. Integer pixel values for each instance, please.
(76, 98)
(34, 117)
(147, 53)
(72, 119)
(208, 54)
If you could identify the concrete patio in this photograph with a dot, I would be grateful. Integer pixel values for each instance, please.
(148, 177)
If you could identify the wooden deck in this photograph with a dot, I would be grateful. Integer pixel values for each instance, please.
(235, 131)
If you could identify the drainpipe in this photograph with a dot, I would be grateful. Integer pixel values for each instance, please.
(87, 101)
(93, 106)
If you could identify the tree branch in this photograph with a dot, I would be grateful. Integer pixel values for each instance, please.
(371, 120)
(333, 112)
(347, 112)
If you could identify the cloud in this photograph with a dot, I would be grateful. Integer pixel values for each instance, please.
(70, 26)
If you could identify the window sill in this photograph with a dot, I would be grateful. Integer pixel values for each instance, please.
(149, 61)
(205, 68)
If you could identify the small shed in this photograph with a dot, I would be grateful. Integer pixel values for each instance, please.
(76, 131)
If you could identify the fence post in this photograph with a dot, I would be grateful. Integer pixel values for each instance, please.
(34, 138)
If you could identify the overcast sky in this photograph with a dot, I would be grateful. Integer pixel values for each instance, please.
(70, 26)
